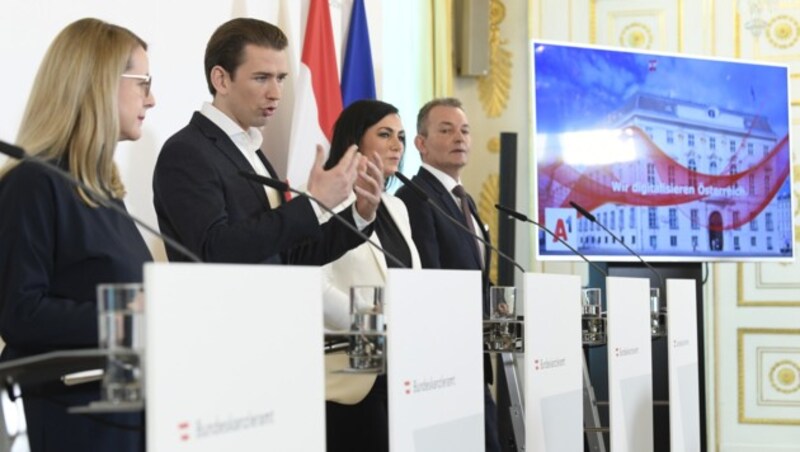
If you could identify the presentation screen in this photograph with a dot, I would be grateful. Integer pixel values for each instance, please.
(682, 158)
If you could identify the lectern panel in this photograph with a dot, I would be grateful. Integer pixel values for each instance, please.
(435, 351)
(234, 358)
(553, 378)
(630, 371)
(684, 392)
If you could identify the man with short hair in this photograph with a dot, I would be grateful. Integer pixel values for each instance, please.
(201, 199)
(443, 141)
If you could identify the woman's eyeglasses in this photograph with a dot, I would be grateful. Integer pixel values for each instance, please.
(147, 81)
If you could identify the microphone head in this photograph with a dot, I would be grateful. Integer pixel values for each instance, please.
(583, 212)
(263, 180)
(15, 152)
(405, 180)
(510, 212)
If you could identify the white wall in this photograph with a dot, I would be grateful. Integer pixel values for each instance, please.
(406, 75)
(176, 41)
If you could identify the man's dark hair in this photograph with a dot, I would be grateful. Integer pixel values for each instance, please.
(226, 46)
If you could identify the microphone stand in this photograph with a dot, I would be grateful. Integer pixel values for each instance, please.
(424, 196)
(589, 216)
(284, 187)
(519, 216)
(18, 153)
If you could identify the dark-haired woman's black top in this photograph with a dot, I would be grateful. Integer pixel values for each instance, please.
(54, 251)
(391, 238)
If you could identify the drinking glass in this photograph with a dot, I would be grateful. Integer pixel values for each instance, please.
(120, 310)
(367, 340)
(502, 335)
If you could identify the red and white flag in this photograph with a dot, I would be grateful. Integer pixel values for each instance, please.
(317, 97)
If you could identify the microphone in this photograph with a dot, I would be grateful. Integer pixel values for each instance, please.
(284, 187)
(593, 219)
(424, 196)
(15, 152)
(587, 214)
(521, 217)
(279, 185)
(18, 153)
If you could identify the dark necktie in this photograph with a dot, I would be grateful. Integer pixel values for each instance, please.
(461, 194)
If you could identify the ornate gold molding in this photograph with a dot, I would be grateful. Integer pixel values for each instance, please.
(442, 48)
(710, 18)
(644, 28)
(494, 87)
(740, 336)
(783, 31)
(490, 195)
(742, 302)
(715, 344)
(493, 145)
(784, 376)
(796, 189)
(680, 26)
(737, 38)
(636, 35)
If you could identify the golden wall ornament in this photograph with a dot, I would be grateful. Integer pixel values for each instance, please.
(636, 35)
(783, 31)
(494, 87)
(784, 376)
(490, 195)
(493, 145)
(768, 376)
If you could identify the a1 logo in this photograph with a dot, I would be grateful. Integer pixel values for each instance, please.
(562, 222)
(563, 229)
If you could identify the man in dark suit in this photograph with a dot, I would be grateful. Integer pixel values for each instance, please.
(443, 142)
(202, 200)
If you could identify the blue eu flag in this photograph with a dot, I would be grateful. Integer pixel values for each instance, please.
(358, 77)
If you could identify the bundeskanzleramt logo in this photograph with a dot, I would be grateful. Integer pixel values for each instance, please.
(626, 351)
(415, 386)
(678, 343)
(201, 428)
(183, 431)
(545, 363)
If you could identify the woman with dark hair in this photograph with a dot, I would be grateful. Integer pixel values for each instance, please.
(92, 90)
(357, 403)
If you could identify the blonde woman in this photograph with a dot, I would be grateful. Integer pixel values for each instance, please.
(91, 91)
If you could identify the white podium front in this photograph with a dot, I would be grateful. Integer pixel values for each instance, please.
(630, 372)
(553, 378)
(435, 360)
(233, 359)
(684, 384)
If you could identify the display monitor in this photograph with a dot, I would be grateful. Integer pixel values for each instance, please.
(682, 158)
